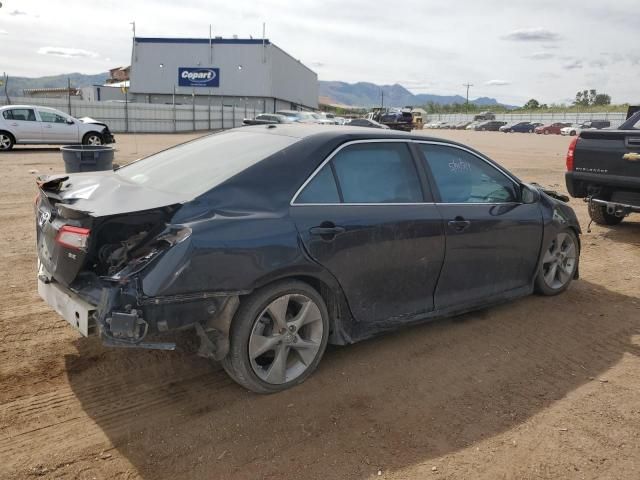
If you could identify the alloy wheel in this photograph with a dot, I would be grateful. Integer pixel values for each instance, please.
(5, 142)
(285, 339)
(559, 261)
(94, 140)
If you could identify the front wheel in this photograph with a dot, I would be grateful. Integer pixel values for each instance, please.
(546, 132)
(559, 264)
(92, 138)
(572, 133)
(277, 337)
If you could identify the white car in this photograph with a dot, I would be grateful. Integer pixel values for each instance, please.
(28, 124)
(571, 130)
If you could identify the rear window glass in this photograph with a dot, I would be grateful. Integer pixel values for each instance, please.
(196, 167)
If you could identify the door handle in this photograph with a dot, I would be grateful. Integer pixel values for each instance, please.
(459, 224)
(14, 124)
(632, 157)
(326, 231)
(47, 126)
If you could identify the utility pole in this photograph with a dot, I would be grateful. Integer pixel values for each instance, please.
(381, 99)
(467, 104)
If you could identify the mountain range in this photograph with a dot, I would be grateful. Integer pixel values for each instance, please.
(361, 94)
(364, 94)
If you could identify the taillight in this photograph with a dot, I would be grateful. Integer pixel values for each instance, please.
(571, 154)
(76, 238)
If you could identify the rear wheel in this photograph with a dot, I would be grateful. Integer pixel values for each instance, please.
(277, 337)
(572, 133)
(598, 214)
(559, 264)
(92, 138)
(6, 141)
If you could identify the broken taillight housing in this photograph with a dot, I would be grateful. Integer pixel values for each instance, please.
(75, 238)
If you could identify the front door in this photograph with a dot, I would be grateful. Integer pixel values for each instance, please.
(23, 124)
(55, 128)
(364, 216)
(492, 239)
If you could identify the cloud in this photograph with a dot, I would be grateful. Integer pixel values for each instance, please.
(497, 83)
(598, 63)
(540, 56)
(3, 32)
(317, 64)
(16, 13)
(532, 35)
(67, 52)
(574, 65)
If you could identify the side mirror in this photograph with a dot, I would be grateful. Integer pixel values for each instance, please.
(70, 122)
(529, 194)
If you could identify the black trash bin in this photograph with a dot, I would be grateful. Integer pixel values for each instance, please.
(87, 158)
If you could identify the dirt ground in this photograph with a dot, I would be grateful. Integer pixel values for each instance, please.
(538, 388)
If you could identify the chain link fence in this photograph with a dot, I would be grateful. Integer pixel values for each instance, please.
(147, 117)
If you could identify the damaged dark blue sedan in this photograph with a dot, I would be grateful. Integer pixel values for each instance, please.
(272, 241)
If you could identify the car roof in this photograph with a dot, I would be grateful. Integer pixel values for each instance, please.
(339, 132)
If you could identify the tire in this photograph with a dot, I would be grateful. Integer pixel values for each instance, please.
(598, 214)
(92, 138)
(546, 132)
(6, 141)
(572, 133)
(559, 264)
(265, 334)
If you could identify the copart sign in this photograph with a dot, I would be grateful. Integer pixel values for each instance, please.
(198, 77)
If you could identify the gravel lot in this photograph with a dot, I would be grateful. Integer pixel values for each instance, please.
(539, 388)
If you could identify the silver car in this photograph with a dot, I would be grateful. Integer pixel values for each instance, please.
(32, 125)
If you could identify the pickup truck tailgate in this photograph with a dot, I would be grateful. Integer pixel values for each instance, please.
(608, 152)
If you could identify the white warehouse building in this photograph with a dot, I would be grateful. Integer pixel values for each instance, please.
(249, 73)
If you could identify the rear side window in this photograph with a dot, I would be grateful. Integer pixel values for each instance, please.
(24, 114)
(321, 189)
(195, 167)
(377, 173)
(462, 177)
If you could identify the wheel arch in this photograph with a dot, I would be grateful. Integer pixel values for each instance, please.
(340, 317)
(13, 137)
(90, 132)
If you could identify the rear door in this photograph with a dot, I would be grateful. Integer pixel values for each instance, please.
(23, 124)
(55, 128)
(492, 239)
(364, 216)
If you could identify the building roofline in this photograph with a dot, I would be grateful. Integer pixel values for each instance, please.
(232, 41)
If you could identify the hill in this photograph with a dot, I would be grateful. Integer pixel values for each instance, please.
(17, 84)
(366, 94)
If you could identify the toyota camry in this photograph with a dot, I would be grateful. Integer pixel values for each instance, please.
(270, 242)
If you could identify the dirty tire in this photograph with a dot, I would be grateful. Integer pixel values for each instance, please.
(6, 142)
(565, 241)
(255, 374)
(92, 138)
(598, 214)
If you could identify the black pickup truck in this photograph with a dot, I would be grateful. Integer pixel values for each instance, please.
(603, 166)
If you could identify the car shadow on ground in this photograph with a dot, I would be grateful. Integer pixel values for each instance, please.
(28, 150)
(626, 232)
(388, 403)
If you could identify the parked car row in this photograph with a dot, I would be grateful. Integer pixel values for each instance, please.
(298, 116)
(555, 128)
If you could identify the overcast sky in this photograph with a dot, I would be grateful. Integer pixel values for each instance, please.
(510, 50)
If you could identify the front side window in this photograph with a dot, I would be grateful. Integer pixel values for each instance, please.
(51, 117)
(377, 173)
(23, 114)
(462, 177)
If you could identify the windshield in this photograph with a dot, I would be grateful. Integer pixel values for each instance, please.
(197, 166)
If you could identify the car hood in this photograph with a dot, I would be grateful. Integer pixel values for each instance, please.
(101, 194)
(92, 121)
